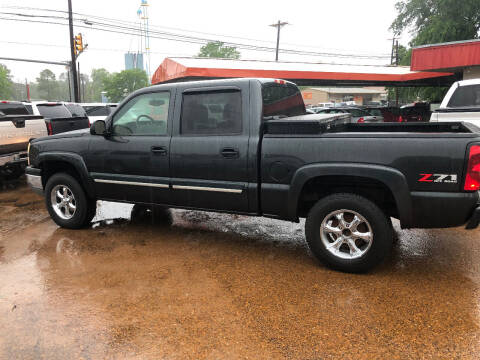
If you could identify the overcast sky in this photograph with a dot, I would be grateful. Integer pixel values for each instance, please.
(333, 26)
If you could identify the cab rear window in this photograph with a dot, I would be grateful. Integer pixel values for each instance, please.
(53, 111)
(282, 100)
(12, 108)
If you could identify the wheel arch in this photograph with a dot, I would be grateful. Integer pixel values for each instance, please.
(339, 177)
(71, 163)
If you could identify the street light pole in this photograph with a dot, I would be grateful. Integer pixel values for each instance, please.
(278, 25)
(73, 66)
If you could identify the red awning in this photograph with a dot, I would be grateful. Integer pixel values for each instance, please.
(182, 69)
(446, 57)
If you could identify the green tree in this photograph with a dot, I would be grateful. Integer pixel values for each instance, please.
(119, 85)
(436, 21)
(5, 82)
(433, 21)
(217, 49)
(95, 87)
(48, 85)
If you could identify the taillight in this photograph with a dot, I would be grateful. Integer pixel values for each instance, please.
(49, 128)
(361, 120)
(472, 180)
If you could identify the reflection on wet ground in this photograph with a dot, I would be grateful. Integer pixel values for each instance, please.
(207, 285)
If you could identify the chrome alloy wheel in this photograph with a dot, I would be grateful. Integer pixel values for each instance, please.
(346, 234)
(63, 202)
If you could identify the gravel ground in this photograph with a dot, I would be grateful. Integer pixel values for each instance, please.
(213, 286)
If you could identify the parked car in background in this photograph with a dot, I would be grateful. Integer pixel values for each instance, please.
(98, 111)
(358, 115)
(375, 112)
(415, 112)
(389, 113)
(60, 116)
(461, 103)
(17, 127)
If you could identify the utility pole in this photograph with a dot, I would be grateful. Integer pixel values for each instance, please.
(396, 52)
(278, 25)
(394, 57)
(73, 66)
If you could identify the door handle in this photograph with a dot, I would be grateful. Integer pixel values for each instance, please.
(160, 150)
(229, 153)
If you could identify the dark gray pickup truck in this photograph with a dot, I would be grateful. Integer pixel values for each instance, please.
(246, 146)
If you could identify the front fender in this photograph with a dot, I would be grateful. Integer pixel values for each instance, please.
(73, 159)
(392, 178)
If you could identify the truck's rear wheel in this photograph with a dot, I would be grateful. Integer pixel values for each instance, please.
(348, 232)
(66, 202)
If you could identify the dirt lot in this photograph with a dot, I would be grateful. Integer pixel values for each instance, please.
(224, 287)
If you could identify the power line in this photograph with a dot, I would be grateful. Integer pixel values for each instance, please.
(89, 48)
(198, 40)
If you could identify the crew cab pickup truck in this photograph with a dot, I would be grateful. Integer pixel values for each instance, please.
(246, 146)
(461, 103)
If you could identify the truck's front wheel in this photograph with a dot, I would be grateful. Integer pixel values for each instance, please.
(66, 202)
(348, 232)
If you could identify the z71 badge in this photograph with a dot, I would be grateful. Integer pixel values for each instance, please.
(439, 178)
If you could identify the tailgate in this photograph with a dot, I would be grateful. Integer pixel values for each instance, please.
(17, 130)
(61, 125)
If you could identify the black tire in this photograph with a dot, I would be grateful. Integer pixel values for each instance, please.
(381, 230)
(82, 203)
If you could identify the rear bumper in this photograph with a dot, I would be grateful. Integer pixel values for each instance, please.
(442, 210)
(34, 179)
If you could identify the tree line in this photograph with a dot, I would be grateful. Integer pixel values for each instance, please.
(52, 88)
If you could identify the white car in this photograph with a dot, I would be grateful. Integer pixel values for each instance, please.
(98, 111)
(461, 103)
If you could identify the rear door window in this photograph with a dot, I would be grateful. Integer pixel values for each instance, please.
(212, 113)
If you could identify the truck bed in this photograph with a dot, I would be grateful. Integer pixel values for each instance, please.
(296, 126)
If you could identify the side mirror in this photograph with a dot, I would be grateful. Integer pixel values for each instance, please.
(98, 128)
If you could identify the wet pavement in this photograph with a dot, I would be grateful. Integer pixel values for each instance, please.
(219, 286)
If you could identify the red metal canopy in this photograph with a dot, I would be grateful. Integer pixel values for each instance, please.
(183, 69)
(446, 56)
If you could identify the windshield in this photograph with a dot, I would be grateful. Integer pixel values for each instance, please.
(53, 111)
(282, 99)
